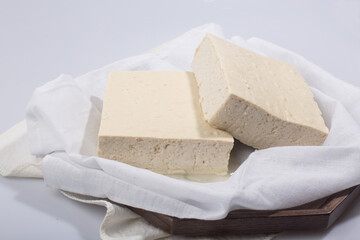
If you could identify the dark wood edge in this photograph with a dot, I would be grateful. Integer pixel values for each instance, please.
(314, 215)
(342, 205)
(161, 221)
(318, 207)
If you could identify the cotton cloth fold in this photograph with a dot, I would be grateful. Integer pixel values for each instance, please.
(63, 119)
(15, 157)
(119, 223)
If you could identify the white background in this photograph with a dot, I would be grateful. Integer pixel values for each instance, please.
(39, 40)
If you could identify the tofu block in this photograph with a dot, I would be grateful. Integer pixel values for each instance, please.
(153, 120)
(261, 101)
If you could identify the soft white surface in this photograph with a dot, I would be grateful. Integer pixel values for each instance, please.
(119, 222)
(50, 38)
(15, 157)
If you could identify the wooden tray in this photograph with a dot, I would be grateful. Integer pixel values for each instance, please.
(314, 215)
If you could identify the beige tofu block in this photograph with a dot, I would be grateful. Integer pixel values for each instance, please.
(261, 101)
(153, 120)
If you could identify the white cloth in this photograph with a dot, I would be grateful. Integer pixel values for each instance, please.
(122, 224)
(119, 222)
(63, 118)
(15, 157)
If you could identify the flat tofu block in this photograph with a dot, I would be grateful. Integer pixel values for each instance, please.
(261, 101)
(153, 120)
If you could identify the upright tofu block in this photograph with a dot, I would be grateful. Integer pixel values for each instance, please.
(261, 101)
(153, 120)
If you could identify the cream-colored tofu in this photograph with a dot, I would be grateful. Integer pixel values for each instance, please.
(153, 120)
(261, 101)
